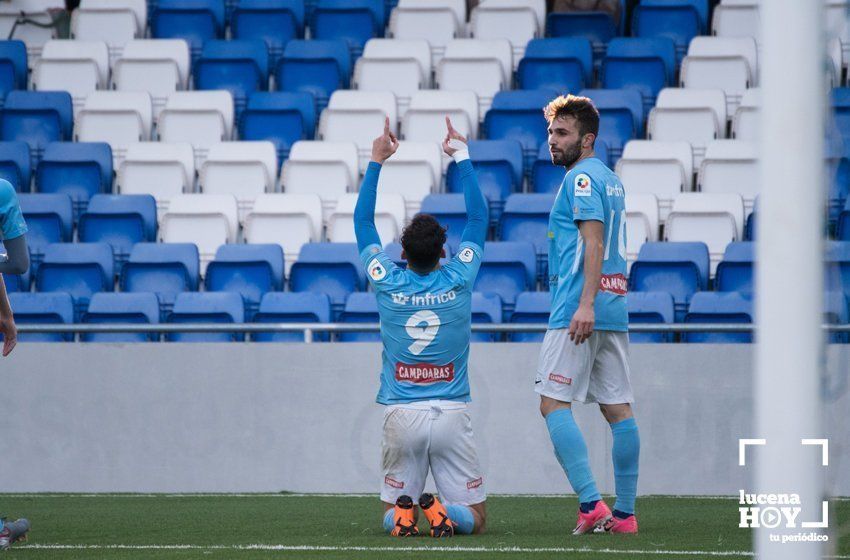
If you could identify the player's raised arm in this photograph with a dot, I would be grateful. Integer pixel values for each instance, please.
(383, 147)
(455, 146)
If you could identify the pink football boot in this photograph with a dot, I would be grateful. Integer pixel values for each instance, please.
(628, 525)
(595, 519)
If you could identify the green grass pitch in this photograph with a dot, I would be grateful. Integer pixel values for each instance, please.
(247, 527)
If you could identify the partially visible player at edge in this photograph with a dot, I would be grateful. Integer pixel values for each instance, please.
(426, 312)
(15, 261)
(584, 356)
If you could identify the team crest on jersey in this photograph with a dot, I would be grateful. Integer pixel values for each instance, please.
(466, 255)
(376, 270)
(582, 185)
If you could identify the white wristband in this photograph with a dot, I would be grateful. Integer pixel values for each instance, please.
(462, 150)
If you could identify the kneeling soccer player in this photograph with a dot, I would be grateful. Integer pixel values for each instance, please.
(425, 313)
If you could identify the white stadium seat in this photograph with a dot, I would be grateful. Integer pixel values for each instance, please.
(207, 220)
(159, 169)
(482, 66)
(78, 67)
(736, 20)
(33, 35)
(242, 169)
(436, 21)
(731, 166)
(288, 220)
(414, 172)
(201, 118)
(642, 222)
(327, 169)
(115, 22)
(358, 116)
(695, 116)
(425, 121)
(745, 125)
(397, 65)
(727, 63)
(390, 216)
(120, 118)
(663, 169)
(158, 66)
(714, 219)
(518, 21)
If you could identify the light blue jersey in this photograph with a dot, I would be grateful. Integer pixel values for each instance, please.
(590, 191)
(12, 223)
(425, 326)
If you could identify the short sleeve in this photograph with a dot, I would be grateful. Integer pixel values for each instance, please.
(586, 196)
(380, 269)
(12, 222)
(466, 262)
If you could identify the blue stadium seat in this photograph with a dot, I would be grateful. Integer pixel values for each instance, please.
(838, 267)
(288, 307)
(316, 67)
(360, 307)
(330, 268)
(195, 21)
(836, 312)
(393, 251)
(486, 308)
(249, 270)
(650, 307)
(450, 211)
(80, 169)
(751, 225)
(547, 177)
(841, 115)
(838, 176)
(274, 21)
(354, 21)
(50, 219)
(217, 307)
(531, 307)
(281, 117)
(13, 67)
(238, 66)
(37, 118)
(526, 218)
(46, 308)
(137, 308)
(122, 220)
(518, 115)
(678, 20)
(508, 268)
(719, 307)
(680, 268)
(498, 164)
(15, 164)
(166, 269)
(647, 65)
(842, 232)
(621, 118)
(597, 27)
(80, 269)
(735, 271)
(562, 64)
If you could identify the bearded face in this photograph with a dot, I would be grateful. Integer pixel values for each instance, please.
(565, 141)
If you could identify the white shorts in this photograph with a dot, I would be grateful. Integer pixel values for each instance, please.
(595, 371)
(435, 435)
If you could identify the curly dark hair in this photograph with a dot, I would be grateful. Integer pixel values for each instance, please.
(422, 241)
(582, 108)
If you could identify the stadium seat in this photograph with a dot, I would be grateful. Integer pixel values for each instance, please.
(482, 66)
(837, 261)
(315, 67)
(238, 66)
(714, 219)
(653, 308)
(115, 22)
(837, 179)
(401, 66)
(487, 309)
(518, 115)
(201, 118)
(498, 165)
(328, 169)
(620, 117)
(13, 66)
(354, 21)
(242, 169)
(836, 313)
(274, 21)
(414, 171)
(679, 268)
(508, 268)
(163, 268)
(78, 169)
(642, 221)
(304, 307)
(645, 64)
(15, 164)
(44, 309)
(120, 220)
(119, 118)
(689, 115)
(596, 27)
(80, 269)
(136, 308)
(50, 219)
(450, 211)
(526, 218)
(731, 166)
(157, 66)
(331, 268)
(738, 19)
(195, 21)
(390, 216)
(37, 11)
(249, 270)
(288, 220)
(209, 307)
(745, 125)
(280, 117)
(436, 21)
(207, 220)
(718, 307)
(751, 227)
(157, 168)
(358, 116)
(735, 271)
(842, 231)
(425, 120)
(531, 307)
(37, 118)
(518, 21)
(663, 169)
(360, 308)
(78, 67)
(563, 65)
(727, 63)
(678, 20)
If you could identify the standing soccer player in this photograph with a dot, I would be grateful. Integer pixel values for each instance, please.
(584, 356)
(426, 313)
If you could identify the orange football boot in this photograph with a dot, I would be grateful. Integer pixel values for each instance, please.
(405, 523)
(435, 513)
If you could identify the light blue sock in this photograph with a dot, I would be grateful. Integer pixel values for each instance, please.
(389, 522)
(571, 452)
(462, 516)
(626, 453)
